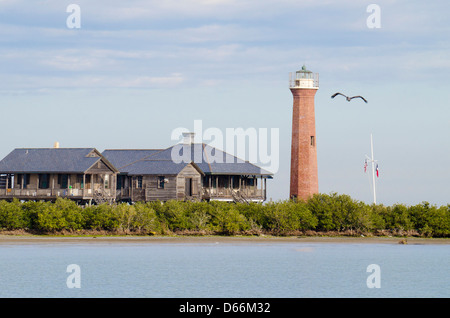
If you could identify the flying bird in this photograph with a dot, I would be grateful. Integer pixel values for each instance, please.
(349, 98)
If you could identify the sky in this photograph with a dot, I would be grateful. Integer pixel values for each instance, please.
(134, 71)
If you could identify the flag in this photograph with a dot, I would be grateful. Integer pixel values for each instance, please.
(365, 165)
(377, 171)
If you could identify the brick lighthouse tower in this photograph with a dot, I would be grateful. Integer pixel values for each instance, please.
(304, 178)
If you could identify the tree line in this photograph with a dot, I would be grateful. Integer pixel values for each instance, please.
(322, 214)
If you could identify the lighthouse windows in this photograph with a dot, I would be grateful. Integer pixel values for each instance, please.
(313, 142)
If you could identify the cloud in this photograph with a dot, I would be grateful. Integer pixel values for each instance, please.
(206, 40)
(70, 62)
(35, 84)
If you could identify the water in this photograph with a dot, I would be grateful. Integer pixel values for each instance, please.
(225, 270)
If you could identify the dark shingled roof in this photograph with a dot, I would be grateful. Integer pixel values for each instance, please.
(124, 157)
(172, 160)
(47, 160)
(160, 167)
(208, 159)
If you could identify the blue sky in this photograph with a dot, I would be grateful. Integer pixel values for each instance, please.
(136, 70)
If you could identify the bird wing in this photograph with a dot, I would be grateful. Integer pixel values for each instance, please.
(359, 97)
(334, 95)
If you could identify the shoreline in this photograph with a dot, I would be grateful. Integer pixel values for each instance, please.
(214, 239)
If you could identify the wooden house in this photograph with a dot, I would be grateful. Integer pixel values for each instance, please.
(144, 176)
(81, 174)
(203, 173)
(186, 171)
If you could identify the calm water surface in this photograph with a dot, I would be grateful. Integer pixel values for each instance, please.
(225, 270)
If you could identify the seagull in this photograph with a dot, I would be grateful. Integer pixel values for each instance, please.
(349, 98)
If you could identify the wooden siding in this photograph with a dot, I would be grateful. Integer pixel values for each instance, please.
(189, 172)
(153, 193)
(174, 187)
(99, 168)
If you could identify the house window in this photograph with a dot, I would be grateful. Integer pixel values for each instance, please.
(92, 154)
(223, 182)
(205, 182)
(139, 182)
(88, 181)
(80, 180)
(235, 182)
(63, 180)
(23, 179)
(106, 181)
(3, 181)
(313, 142)
(44, 180)
(19, 179)
(120, 182)
(6, 181)
(161, 182)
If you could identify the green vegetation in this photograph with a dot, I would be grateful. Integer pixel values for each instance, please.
(323, 214)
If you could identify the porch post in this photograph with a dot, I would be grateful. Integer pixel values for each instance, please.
(114, 185)
(132, 186)
(262, 185)
(84, 184)
(265, 189)
(210, 185)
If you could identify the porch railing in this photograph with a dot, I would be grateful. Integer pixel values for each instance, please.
(228, 192)
(30, 193)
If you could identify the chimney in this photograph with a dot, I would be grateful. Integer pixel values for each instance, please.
(56, 145)
(188, 138)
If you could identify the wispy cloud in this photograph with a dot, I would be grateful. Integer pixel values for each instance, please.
(33, 84)
(206, 39)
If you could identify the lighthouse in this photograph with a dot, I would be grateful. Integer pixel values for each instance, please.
(304, 176)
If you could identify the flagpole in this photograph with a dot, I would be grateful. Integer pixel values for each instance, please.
(373, 172)
(373, 169)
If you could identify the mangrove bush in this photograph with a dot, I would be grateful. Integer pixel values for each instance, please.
(321, 214)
